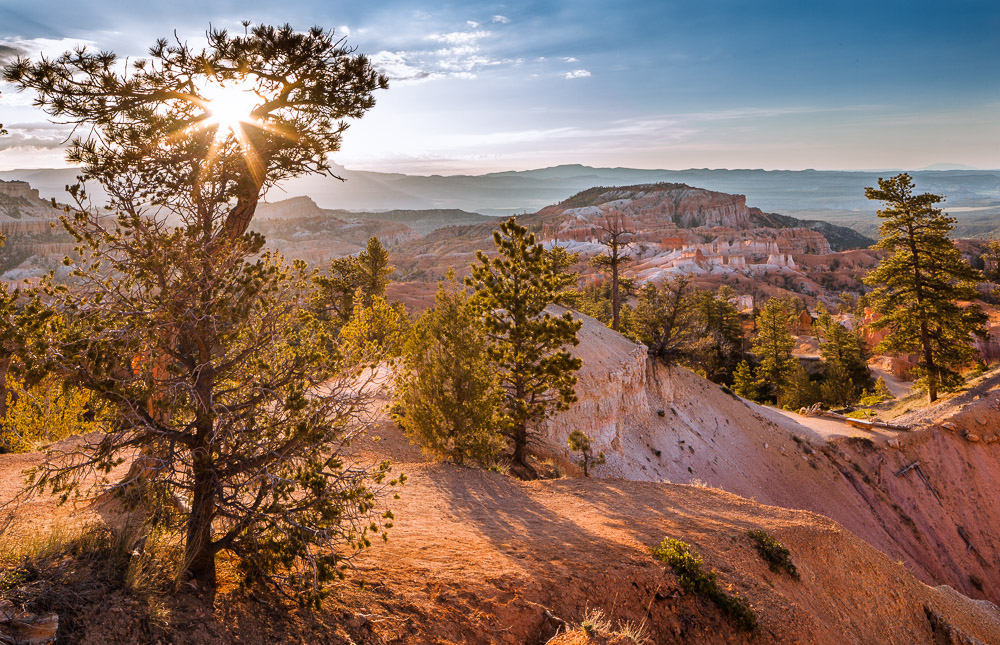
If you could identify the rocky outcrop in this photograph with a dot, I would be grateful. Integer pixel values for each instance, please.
(19, 190)
(24, 628)
(35, 240)
(19, 202)
(288, 209)
(656, 212)
(614, 390)
(656, 423)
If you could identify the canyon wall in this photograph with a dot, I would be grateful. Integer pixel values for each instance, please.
(655, 423)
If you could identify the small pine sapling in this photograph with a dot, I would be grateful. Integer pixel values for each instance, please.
(579, 442)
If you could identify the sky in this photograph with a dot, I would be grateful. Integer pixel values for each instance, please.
(479, 87)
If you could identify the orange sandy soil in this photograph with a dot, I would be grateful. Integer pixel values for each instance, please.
(479, 557)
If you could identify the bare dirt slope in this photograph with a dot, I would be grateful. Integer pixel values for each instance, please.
(496, 553)
(478, 557)
(667, 424)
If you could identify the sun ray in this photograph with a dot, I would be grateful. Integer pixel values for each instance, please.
(250, 154)
(280, 130)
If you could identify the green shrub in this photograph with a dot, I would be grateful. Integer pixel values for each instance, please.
(686, 565)
(878, 395)
(48, 411)
(774, 553)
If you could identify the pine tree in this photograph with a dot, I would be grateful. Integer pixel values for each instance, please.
(376, 329)
(845, 358)
(991, 259)
(579, 442)
(373, 270)
(773, 347)
(447, 397)
(363, 276)
(562, 262)
(527, 344)
(721, 333)
(917, 286)
(800, 391)
(333, 296)
(744, 382)
(665, 320)
(199, 342)
(838, 388)
(615, 234)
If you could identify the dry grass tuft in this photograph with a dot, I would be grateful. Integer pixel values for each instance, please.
(53, 571)
(597, 629)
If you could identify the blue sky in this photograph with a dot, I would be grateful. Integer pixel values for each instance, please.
(478, 87)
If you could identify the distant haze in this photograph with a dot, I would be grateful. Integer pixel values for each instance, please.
(833, 196)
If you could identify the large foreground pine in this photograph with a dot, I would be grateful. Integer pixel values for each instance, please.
(917, 286)
(232, 399)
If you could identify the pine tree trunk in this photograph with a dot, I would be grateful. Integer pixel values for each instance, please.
(615, 300)
(932, 376)
(521, 444)
(198, 553)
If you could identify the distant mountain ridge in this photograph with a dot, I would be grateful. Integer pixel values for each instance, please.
(832, 196)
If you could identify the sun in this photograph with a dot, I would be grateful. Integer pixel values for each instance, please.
(229, 105)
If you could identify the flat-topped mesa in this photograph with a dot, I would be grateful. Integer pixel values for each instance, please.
(672, 216)
(19, 190)
(679, 205)
(19, 202)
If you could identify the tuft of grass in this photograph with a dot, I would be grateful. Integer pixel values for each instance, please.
(54, 569)
(596, 625)
(500, 466)
(594, 622)
(774, 553)
(687, 566)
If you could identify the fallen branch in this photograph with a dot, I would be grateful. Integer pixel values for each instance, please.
(859, 423)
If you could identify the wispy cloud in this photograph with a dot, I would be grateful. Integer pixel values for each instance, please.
(397, 66)
(578, 73)
(772, 112)
(462, 55)
(11, 48)
(459, 37)
(503, 20)
(45, 136)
